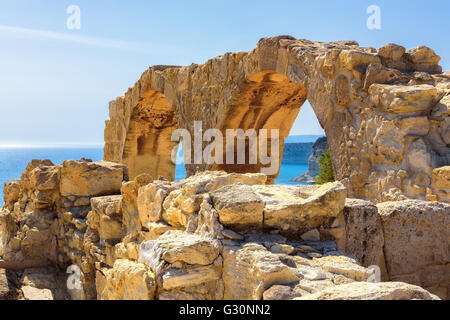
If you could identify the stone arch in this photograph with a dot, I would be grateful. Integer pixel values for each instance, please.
(385, 112)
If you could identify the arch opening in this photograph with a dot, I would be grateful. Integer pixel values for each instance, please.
(271, 101)
(302, 149)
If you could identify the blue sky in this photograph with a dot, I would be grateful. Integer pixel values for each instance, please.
(55, 83)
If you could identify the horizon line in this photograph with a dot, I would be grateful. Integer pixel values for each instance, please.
(85, 144)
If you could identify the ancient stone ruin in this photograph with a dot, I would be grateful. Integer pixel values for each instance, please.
(385, 112)
(123, 229)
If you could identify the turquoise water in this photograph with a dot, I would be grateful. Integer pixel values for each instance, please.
(13, 162)
(290, 171)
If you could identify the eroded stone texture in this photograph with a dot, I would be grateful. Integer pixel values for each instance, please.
(150, 201)
(129, 206)
(294, 210)
(372, 291)
(239, 207)
(416, 243)
(6, 290)
(187, 266)
(385, 112)
(440, 185)
(128, 280)
(177, 246)
(251, 269)
(89, 179)
(106, 218)
(364, 233)
(11, 193)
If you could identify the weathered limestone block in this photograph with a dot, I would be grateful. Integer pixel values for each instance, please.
(190, 277)
(28, 240)
(187, 266)
(11, 193)
(25, 180)
(178, 246)
(7, 231)
(418, 157)
(207, 220)
(441, 109)
(386, 147)
(128, 280)
(440, 185)
(44, 178)
(350, 59)
(372, 291)
(424, 59)
(405, 99)
(377, 73)
(316, 285)
(150, 201)
(416, 126)
(90, 179)
(296, 210)
(38, 188)
(32, 293)
(364, 233)
(391, 52)
(129, 207)
(105, 217)
(416, 242)
(6, 290)
(38, 243)
(417, 59)
(239, 207)
(179, 206)
(187, 196)
(343, 265)
(250, 270)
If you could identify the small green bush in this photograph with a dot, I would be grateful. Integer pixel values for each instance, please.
(326, 172)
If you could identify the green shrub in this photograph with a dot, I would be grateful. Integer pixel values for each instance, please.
(326, 172)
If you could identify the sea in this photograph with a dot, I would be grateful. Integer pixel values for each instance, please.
(13, 161)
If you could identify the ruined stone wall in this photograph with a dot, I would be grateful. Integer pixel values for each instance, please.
(215, 235)
(385, 112)
(44, 221)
